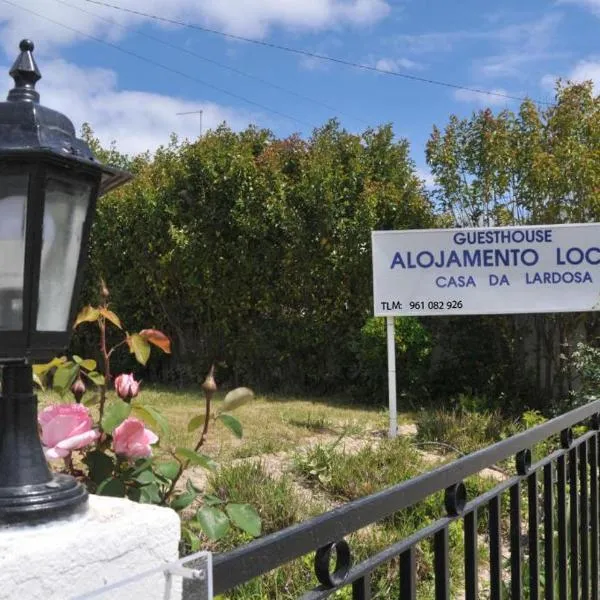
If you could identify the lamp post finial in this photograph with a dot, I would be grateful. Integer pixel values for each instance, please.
(26, 74)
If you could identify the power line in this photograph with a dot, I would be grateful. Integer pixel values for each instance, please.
(309, 54)
(212, 61)
(160, 65)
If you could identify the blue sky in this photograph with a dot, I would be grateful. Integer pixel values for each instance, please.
(510, 47)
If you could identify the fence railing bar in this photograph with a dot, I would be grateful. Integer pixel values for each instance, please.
(408, 574)
(370, 564)
(584, 520)
(471, 556)
(549, 556)
(483, 499)
(495, 538)
(367, 566)
(533, 536)
(267, 553)
(561, 509)
(516, 577)
(573, 524)
(593, 457)
(361, 588)
(441, 564)
(393, 551)
(551, 458)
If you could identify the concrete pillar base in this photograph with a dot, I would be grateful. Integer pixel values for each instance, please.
(115, 539)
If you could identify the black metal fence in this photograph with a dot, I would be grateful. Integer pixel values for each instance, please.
(552, 513)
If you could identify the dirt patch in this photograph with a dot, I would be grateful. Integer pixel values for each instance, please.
(280, 463)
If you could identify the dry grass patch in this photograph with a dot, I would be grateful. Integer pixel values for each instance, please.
(271, 424)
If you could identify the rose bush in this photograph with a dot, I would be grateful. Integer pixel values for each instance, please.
(121, 451)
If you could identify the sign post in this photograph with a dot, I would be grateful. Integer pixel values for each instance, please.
(391, 356)
(477, 271)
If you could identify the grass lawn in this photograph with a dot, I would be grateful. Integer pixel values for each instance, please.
(288, 467)
(271, 423)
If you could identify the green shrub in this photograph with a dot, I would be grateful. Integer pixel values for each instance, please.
(208, 223)
(317, 463)
(584, 362)
(346, 477)
(460, 431)
(413, 348)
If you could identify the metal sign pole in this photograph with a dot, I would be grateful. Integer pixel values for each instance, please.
(391, 355)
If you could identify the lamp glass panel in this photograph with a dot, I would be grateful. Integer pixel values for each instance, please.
(65, 209)
(13, 226)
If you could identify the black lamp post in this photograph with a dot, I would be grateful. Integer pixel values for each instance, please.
(49, 183)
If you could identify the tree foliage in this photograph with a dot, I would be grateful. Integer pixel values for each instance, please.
(254, 250)
(535, 166)
(539, 165)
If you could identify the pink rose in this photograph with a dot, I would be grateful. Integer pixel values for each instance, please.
(132, 439)
(126, 386)
(66, 427)
(78, 389)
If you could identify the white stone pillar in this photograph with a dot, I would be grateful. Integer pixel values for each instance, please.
(114, 540)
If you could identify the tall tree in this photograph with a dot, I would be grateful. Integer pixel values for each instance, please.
(540, 165)
(535, 166)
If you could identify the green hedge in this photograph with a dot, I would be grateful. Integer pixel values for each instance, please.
(254, 251)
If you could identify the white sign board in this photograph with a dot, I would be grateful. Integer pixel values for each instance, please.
(497, 270)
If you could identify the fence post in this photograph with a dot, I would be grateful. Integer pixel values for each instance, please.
(391, 355)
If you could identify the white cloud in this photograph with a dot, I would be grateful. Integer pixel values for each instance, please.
(521, 46)
(587, 70)
(482, 99)
(548, 82)
(593, 5)
(511, 64)
(396, 64)
(310, 63)
(532, 36)
(137, 121)
(255, 17)
(443, 41)
(243, 17)
(502, 51)
(529, 36)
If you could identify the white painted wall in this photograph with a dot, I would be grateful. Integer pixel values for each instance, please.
(114, 540)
